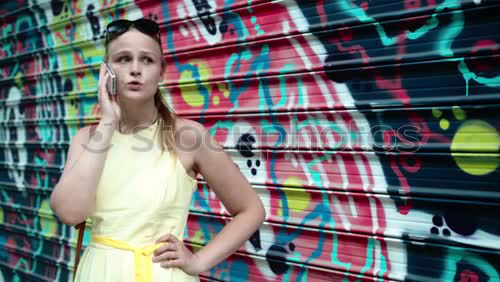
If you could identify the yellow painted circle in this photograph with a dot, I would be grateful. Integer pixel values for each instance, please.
(49, 225)
(475, 147)
(297, 199)
(444, 124)
(190, 91)
(215, 100)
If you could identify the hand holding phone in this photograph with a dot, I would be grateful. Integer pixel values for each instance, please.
(107, 95)
(111, 82)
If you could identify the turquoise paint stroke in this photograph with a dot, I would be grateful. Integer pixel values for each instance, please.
(383, 267)
(185, 67)
(335, 260)
(239, 269)
(283, 90)
(260, 62)
(424, 29)
(431, 23)
(235, 20)
(468, 75)
(249, 6)
(369, 257)
(234, 91)
(274, 128)
(332, 126)
(450, 33)
(303, 276)
(455, 255)
(41, 163)
(316, 176)
(325, 215)
(29, 40)
(360, 14)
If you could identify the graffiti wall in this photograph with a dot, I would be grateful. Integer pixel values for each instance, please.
(369, 129)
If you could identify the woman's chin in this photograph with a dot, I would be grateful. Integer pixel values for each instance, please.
(132, 94)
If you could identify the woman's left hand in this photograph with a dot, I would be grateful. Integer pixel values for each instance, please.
(175, 254)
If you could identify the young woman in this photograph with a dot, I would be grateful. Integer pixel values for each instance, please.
(134, 174)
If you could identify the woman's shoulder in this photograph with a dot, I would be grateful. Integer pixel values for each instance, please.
(189, 136)
(192, 134)
(187, 123)
(189, 130)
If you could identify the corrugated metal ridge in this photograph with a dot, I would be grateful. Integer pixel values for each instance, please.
(400, 242)
(379, 64)
(309, 266)
(257, 41)
(123, 4)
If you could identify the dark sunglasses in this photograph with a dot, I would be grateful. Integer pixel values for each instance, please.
(145, 26)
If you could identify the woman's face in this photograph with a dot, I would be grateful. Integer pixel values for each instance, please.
(136, 60)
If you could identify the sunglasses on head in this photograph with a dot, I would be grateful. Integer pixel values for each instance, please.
(145, 26)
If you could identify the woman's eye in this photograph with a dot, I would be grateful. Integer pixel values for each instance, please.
(148, 60)
(123, 59)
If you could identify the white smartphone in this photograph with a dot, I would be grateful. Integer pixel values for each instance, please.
(111, 83)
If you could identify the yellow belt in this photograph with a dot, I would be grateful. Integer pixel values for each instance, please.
(142, 260)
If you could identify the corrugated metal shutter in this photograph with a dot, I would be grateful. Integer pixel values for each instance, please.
(370, 130)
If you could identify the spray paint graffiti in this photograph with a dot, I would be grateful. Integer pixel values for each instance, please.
(368, 129)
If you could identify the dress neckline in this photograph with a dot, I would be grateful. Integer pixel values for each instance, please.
(141, 129)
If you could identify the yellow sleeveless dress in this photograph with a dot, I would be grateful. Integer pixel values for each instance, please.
(141, 196)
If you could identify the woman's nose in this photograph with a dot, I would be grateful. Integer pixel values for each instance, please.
(135, 70)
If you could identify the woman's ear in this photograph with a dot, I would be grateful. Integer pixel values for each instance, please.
(162, 72)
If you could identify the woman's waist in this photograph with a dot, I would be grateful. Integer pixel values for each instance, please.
(136, 234)
(142, 246)
(118, 241)
(141, 255)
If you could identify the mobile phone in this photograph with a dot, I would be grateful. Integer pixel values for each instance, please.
(111, 83)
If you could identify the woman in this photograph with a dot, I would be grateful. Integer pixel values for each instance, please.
(135, 171)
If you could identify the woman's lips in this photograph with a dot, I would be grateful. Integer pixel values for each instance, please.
(134, 86)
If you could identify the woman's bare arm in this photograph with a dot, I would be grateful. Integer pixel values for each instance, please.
(74, 196)
(236, 194)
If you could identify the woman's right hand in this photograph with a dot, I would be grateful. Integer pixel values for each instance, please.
(110, 109)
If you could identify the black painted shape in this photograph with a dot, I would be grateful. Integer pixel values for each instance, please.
(437, 220)
(446, 232)
(462, 223)
(68, 85)
(57, 7)
(275, 257)
(94, 21)
(255, 240)
(244, 145)
(223, 26)
(435, 230)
